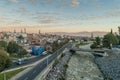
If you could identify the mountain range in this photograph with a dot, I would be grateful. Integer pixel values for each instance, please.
(83, 33)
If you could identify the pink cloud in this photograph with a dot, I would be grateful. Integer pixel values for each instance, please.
(14, 1)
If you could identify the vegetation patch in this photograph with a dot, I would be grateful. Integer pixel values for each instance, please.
(5, 61)
(62, 55)
(9, 75)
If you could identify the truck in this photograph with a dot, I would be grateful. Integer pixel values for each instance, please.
(37, 51)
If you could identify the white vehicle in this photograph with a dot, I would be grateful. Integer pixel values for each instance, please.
(44, 53)
(21, 61)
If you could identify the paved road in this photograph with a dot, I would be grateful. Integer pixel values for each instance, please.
(85, 46)
(30, 61)
(30, 75)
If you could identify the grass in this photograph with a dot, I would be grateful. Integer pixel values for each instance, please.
(10, 74)
(18, 57)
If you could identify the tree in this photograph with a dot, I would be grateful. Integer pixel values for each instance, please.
(12, 47)
(111, 31)
(97, 39)
(94, 45)
(5, 60)
(15, 48)
(110, 39)
(3, 44)
(119, 29)
(20, 37)
(118, 35)
(21, 51)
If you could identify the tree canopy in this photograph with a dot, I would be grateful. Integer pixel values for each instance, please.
(15, 48)
(12, 47)
(20, 37)
(110, 39)
(97, 39)
(3, 44)
(5, 61)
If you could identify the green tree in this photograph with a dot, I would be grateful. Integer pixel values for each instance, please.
(94, 45)
(22, 51)
(111, 31)
(5, 60)
(20, 37)
(110, 39)
(12, 47)
(3, 44)
(98, 41)
(15, 48)
(119, 29)
(118, 35)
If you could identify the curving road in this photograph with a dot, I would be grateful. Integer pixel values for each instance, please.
(32, 74)
(30, 61)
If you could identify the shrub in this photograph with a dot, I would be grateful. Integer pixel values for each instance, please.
(93, 46)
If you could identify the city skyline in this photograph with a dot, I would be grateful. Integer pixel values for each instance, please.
(60, 15)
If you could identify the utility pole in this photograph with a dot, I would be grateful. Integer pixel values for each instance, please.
(47, 61)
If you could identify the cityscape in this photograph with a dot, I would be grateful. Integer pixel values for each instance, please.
(59, 40)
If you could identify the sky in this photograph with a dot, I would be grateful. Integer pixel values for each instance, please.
(60, 15)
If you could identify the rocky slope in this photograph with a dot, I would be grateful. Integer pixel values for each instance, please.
(82, 67)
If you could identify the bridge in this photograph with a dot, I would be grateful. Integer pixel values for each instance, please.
(96, 52)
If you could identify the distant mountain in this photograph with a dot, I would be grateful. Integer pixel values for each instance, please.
(83, 33)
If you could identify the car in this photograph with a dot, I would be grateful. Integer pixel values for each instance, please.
(45, 52)
(21, 61)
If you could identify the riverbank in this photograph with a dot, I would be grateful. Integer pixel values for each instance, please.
(82, 67)
(110, 65)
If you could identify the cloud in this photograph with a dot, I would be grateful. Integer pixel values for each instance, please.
(75, 2)
(15, 1)
(33, 1)
(23, 10)
(15, 22)
(4, 17)
(107, 15)
(1, 8)
(46, 13)
(46, 19)
(49, 1)
(36, 2)
(114, 14)
(20, 10)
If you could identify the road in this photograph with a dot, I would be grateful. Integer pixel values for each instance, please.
(30, 75)
(30, 61)
(86, 47)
